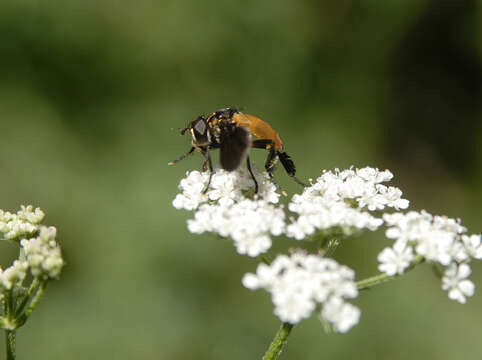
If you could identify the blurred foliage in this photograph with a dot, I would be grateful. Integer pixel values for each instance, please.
(92, 94)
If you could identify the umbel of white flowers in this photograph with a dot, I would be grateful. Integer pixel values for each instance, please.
(343, 202)
(39, 250)
(299, 282)
(438, 239)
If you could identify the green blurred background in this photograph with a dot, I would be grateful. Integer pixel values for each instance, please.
(92, 94)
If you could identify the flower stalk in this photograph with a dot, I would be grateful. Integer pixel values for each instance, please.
(10, 344)
(31, 291)
(382, 278)
(278, 343)
(32, 299)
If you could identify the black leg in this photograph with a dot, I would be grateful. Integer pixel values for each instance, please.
(271, 160)
(270, 167)
(210, 165)
(289, 167)
(212, 146)
(262, 144)
(273, 156)
(182, 157)
(252, 175)
(270, 164)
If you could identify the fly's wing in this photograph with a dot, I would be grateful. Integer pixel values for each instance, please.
(234, 147)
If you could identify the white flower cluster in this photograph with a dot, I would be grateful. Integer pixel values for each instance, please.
(438, 239)
(13, 274)
(341, 199)
(225, 209)
(40, 251)
(300, 282)
(22, 224)
(43, 254)
(248, 222)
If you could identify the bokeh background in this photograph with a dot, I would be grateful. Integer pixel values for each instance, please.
(92, 94)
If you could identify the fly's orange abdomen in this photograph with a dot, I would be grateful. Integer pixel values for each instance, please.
(259, 128)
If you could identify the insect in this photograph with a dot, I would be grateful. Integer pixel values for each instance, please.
(232, 132)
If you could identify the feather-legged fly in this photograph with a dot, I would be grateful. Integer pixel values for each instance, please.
(231, 131)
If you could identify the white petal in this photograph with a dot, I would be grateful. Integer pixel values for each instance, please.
(467, 287)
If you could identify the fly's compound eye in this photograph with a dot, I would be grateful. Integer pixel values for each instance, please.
(199, 129)
(199, 126)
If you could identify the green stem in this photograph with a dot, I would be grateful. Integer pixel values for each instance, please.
(5, 306)
(22, 318)
(9, 310)
(323, 242)
(278, 343)
(10, 344)
(265, 258)
(379, 279)
(9, 302)
(438, 270)
(331, 247)
(36, 298)
(33, 287)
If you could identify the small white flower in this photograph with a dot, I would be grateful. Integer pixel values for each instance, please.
(253, 245)
(456, 283)
(373, 198)
(473, 246)
(343, 316)
(437, 246)
(267, 190)
(293, 307)
(224, 188)
(374, 175)
(395, 260)
(301, 228)
(251, 281)
(192, 191)
(393, 197)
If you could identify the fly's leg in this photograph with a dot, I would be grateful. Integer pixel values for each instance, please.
(252, 175)
(182, 157)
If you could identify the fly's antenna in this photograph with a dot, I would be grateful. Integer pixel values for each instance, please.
(182, 131)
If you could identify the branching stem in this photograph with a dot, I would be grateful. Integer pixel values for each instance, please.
(381, 278)
(31, 290)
